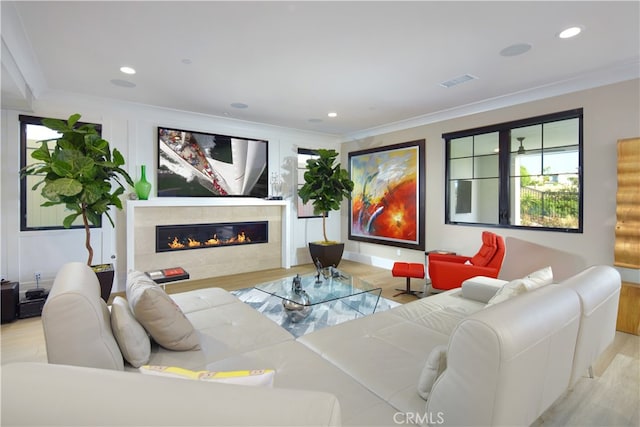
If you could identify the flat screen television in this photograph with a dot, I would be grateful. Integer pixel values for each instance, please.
(199, 164)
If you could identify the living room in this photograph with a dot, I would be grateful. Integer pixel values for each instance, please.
(607, 93)
(610, 109)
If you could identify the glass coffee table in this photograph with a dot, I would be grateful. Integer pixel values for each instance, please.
(333, 292)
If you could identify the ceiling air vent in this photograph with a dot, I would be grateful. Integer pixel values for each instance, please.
(456, 81)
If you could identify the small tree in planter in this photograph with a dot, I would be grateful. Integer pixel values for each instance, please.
(78, 172)
(326, 185)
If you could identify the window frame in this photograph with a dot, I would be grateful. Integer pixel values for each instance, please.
(504, 162)
(25, 120)
(300, 170)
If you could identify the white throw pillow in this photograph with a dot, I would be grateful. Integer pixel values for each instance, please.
(159, 314)
(528, 283)
(481, 288)
(255, 377)
(434, 366)
(132, 339)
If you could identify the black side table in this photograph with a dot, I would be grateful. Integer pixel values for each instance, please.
(10, 296)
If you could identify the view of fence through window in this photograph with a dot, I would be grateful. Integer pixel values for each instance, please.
(547, 160)
(548, 208)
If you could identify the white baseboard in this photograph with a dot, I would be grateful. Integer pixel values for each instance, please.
(631, 275)
(369, 260)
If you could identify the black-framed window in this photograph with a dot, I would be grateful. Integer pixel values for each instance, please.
(33, 216)
(523, 174)
(304, 210)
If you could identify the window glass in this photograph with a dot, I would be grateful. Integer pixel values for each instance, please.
(461, 168)
(304, 210)
(485, 144)
(485, 166)
(462, 147)
(526, 140)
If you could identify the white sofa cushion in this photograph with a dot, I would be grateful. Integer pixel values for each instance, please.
(535, 280)
(481, 288)
(159, 314)
(435, 365)
(132, 339)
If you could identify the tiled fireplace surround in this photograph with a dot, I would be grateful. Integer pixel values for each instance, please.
(143, 216)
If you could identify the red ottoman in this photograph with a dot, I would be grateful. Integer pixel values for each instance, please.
(408, 270)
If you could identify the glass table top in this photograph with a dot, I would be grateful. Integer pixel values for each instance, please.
(333, 284)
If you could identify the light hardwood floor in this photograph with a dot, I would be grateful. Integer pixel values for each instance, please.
(612, 398)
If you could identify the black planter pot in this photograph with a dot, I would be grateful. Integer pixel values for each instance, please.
(105, 275)
(329, 255)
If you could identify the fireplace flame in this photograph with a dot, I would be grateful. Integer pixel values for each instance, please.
(175, 244)
(213, 241)
(193, 243)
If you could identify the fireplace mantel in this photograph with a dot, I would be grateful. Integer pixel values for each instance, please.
(136, 210)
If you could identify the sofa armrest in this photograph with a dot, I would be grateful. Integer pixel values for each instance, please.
(76, 321)
(506, 364)
(79, 396)
(446, 275)
(460, 259)
(481, 288)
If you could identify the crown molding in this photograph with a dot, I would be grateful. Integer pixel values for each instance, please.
(628, 70)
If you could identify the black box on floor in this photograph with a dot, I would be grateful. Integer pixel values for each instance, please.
(10, 300)
(31, 307)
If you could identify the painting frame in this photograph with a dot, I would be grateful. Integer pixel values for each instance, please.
(387, 205)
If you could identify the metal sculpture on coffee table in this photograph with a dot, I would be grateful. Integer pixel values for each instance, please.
(298, 305)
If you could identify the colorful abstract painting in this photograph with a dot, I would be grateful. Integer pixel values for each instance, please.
(387, 202)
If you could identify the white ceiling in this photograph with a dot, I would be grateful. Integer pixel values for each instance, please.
(374, 63)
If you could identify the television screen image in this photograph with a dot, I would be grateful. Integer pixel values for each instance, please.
(198, 164)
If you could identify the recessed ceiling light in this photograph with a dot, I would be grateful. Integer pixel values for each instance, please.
(515, 49)
(127, 70)
(186, 61)
(315, 120)
(239, 105)
(332, 114)
(570, 32)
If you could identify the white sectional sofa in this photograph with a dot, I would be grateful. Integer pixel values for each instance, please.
(505, 363)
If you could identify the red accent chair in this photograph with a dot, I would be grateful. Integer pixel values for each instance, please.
(449, 271)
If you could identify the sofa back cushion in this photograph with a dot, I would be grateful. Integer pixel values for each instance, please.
(76, 321)
(522, 257)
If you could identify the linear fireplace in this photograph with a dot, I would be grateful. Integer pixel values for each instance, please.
(199, 236)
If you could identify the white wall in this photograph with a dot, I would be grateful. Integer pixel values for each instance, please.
(610, 113)
(132, 129)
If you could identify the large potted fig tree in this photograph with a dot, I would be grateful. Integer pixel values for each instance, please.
(78, 171)
(326, 184)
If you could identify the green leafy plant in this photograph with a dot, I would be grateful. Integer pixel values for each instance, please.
(326, 184)
(78, 172)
